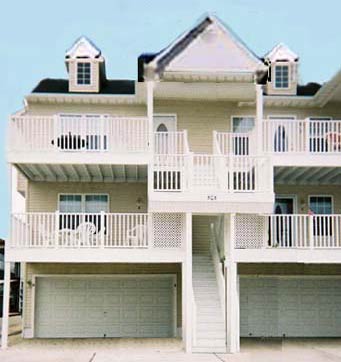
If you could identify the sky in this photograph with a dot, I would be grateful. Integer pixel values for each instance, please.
(35, 34)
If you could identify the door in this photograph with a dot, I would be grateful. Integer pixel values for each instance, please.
(290, 306)
(165, 140)
(281, 136)
(113, 306)
(283, 225)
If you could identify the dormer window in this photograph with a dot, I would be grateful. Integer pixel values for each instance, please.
(83, 73)
(282, 76)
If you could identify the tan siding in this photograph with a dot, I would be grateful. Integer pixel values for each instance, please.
(289, 269)
(201, 119)
(303, 192)
(96, 269)
(201, 234)
(43, 196)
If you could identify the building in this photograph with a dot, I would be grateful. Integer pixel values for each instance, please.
(201, 201)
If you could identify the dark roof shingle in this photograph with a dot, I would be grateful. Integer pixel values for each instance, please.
(109, 86)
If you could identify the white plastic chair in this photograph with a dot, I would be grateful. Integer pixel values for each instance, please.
(137, 236)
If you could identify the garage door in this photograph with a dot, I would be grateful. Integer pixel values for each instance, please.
(292, 307)
(122, 306)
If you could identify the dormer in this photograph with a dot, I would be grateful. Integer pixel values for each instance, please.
(85, 66)
(282, 71)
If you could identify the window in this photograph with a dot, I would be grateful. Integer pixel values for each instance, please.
(281, 76)
(77, 209)
(321, 204)
(83, 73)
(241, 142)
(243, 124)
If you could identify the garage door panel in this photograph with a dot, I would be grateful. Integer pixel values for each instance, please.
(297, 307)
(112, 307)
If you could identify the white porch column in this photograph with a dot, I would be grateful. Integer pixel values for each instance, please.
(187, 289)
(232, 286)
(259, 118)
(5, 310)
(150, 115)
(232, 308)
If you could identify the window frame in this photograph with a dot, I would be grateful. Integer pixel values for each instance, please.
(83, 74)
(242, 116)
(83, 196)
(322, 195)
(274, 75)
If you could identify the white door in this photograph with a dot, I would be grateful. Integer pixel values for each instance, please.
(118, 306)
(166, 142)
(291, 307)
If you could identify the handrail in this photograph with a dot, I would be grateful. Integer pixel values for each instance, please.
(214, 250)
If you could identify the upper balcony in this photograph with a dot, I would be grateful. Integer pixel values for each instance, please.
(216, 182)
(38, 145)
(302, 142)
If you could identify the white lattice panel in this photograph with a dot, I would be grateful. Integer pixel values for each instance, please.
(250, 231)
(168, 230)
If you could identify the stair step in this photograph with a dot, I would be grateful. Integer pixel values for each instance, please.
(207, 342)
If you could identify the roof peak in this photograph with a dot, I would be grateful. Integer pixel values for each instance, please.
(83, 47)
(281, 52)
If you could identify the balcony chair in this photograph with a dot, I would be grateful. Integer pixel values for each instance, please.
(137, 236)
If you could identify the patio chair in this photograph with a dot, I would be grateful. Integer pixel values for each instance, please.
(137, 236)
(86, 234)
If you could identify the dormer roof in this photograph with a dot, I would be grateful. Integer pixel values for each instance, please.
(281, 52)
(83, 47)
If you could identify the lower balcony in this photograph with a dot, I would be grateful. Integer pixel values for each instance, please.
(97, 237)
(211, 183)
(288, 238)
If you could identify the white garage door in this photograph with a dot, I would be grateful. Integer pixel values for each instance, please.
(292, 307)
(121, 306)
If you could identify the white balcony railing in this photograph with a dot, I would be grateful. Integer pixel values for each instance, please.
(97, 230)
(191, 172)
(289, 231)
(170, 143)
(233, 143)
(78, 133)
(301, 136)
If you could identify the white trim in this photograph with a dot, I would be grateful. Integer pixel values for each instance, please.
(284, 117)
(322, 195)
(112, 276)
(288, 196)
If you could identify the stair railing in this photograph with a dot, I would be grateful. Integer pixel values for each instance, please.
(217, 266)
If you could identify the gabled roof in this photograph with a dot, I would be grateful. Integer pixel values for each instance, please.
(281, 52)
(83, 47)
(209, 46)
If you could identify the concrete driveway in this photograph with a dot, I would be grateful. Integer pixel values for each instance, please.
(165, 350)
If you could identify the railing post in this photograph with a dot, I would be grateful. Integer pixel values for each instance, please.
(56, 226)
(306, 133)
(311, 231)
(102, 233)
(150, 231)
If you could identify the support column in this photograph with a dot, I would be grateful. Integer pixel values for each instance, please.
(232, 286)
(5, 309)
(232, 308)
(259, 119)
(187, 289)
(150, 115)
